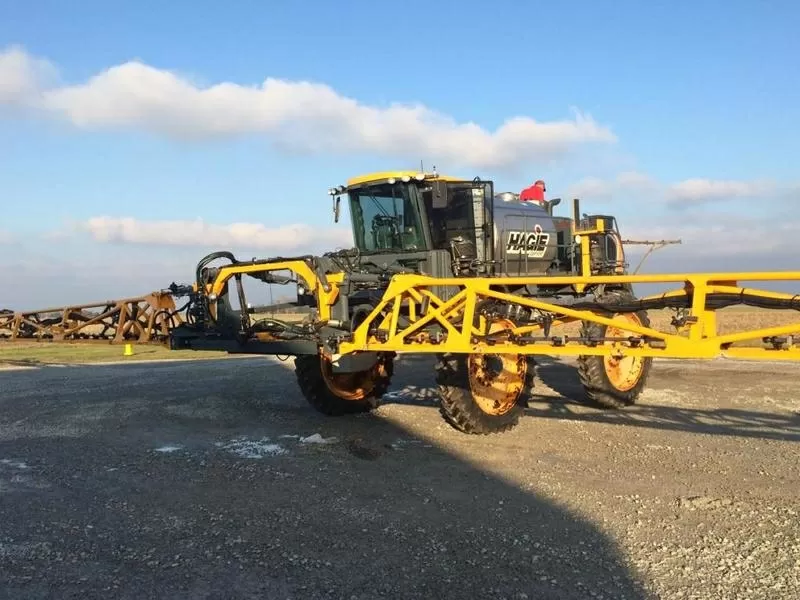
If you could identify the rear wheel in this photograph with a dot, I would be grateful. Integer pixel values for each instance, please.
(613, 382)
(481, 393)
(336, 394)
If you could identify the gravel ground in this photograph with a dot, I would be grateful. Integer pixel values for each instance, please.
(215, 480)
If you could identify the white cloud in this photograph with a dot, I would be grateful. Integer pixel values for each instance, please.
(590, 187)
(634, 180)
(22, 77)
(698, 190)
(6, 237)
(302, 116)
(716, 235)
(198, 233)
(623, 183)
(687, 193)
(716, 242)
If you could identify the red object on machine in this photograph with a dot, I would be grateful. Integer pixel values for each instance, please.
(534, 193)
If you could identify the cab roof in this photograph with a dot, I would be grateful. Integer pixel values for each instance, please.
(381, 176)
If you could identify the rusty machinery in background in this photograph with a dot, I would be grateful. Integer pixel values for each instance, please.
(445, 266)
(143, 320)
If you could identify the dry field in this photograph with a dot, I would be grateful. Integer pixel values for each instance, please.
(33, 353)
(729, 320)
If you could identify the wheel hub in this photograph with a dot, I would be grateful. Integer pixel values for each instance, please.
(352, 386)
(623, 372)
(497, 380)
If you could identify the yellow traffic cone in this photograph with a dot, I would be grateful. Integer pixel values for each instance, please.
(128, 350)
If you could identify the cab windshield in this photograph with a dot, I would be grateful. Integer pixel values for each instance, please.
(385, 218)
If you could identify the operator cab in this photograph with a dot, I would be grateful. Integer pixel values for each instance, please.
(422, 217)
(385, 217)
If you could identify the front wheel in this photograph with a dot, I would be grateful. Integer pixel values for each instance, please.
(613, 382)
(336, 394)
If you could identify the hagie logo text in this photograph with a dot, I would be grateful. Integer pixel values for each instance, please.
(530, 243)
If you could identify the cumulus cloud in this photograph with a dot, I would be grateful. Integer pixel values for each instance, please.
(714, 235)
(687, 193)
(623, 183)
(198, 233)
(699, 190)
(303, 116)
(717, 242)
(22, 77)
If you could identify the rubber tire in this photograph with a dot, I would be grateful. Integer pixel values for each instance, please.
(592, 374)
(460, 410)
(526, 395)
(308, 370)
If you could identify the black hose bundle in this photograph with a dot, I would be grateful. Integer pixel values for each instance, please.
(714, 301)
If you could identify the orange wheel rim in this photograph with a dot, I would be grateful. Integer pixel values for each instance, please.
(349, 386)
(496, 380)
(623, 373)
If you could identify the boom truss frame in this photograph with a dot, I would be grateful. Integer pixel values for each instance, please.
(434, 325)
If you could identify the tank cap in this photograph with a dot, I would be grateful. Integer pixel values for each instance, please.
(507, 196)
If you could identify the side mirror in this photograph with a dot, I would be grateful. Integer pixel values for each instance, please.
(336, 210)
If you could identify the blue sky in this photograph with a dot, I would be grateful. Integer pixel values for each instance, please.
(693, 110)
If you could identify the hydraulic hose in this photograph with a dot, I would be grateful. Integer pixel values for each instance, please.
(714, 301)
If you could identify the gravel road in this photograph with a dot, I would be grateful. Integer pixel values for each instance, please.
(213, 479)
